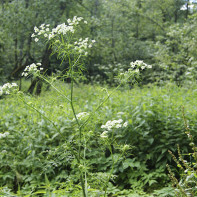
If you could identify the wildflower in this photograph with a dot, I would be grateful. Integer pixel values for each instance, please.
(14, 85)
(82, 115)
(7, 88)
(33, 35)
(51, 36)
(3, 135)
(36, 29)
(112, 124)
(36, 39)
(104, 134)
(120, 113)
(125, 124)
(32, 68)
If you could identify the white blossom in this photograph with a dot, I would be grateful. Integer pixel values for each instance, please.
(3, 135)
(112, 124)
(81, 115)
(7, 88)
(36, 29)
(104, 134)
(125, 124)
(32, 68)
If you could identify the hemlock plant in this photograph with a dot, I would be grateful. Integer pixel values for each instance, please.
(63, 43)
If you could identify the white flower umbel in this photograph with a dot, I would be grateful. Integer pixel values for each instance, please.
(32, 68)
(8, 88)
(82, 45)
(125, 124)
(56, 34)
(82, 115)
(139, 64)
(61, 29)
(4, 135)
(104, 134)
(133, 72)
(111, 124)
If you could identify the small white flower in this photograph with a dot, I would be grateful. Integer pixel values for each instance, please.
(39, 64)
(51, 36)
(82, 115)
(85, 22)
(33, 35)
(36, 29)
(118, 126)
(36, 39)
(132, 65)
(3, 135)
(45, 35)
(104, 134)
(125, 124)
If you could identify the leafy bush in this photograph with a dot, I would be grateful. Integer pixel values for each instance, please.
(34, 149)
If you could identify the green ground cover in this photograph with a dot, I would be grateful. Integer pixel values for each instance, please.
(34, 157)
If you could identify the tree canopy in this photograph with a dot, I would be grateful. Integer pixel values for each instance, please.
(160, 32)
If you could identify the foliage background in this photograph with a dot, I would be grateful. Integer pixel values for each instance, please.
(162, 33)
(159, 32)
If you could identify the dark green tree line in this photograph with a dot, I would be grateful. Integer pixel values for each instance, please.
(155, 31)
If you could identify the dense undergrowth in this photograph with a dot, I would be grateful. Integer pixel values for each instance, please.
(35, 158)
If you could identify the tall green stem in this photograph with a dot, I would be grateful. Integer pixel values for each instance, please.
(77, 121)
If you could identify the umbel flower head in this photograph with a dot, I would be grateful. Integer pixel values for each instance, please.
(111, 124)
(4, 135)
(32, 68)
(8, 88)
(81, 116)
(133, 72)
(57, 35)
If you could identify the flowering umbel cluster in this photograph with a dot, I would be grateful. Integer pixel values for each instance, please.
(4, 135)
(134, 70)
(81, 116)
(57, 35)
(8, 88)
(32, 68)
(112, 124)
